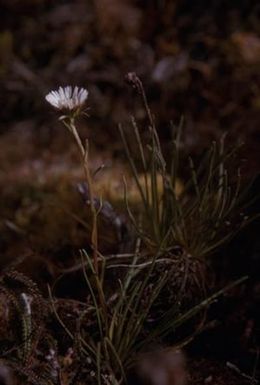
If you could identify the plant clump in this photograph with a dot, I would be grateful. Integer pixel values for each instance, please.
(139, 304)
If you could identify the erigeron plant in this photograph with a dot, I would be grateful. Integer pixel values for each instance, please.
(119, 319)
(70, 102)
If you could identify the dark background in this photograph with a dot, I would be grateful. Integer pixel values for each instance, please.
(197, 59)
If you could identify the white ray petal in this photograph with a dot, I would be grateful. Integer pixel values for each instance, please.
(67, 97)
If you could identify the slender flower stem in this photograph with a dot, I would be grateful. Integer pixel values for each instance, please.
(94, 239)
(84, 154)
(74, 132)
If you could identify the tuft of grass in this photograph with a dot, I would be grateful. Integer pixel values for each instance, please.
(203, 215)
(120, 327)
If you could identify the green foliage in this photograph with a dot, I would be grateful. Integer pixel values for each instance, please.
(119, 320)
(200, 219)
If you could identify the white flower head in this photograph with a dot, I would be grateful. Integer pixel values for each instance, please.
(67, 98)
